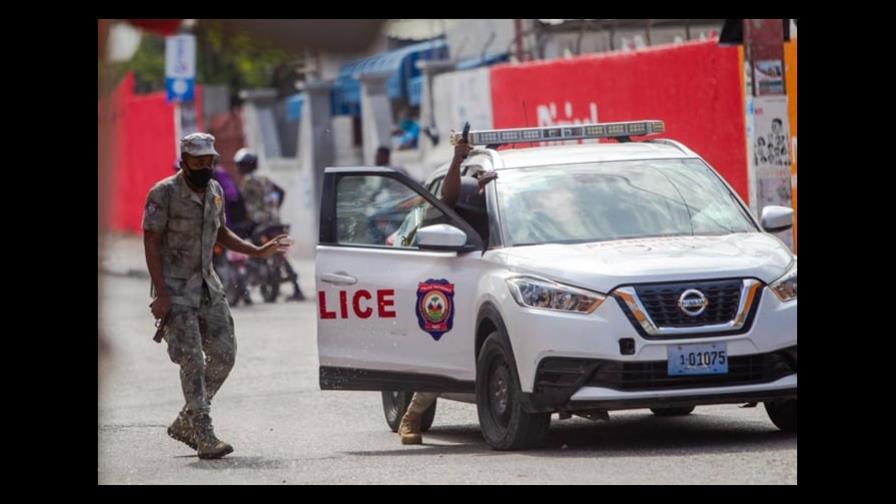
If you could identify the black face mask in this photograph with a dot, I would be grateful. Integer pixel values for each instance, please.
(198, 178)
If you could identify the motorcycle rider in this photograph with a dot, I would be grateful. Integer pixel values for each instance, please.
(263, 199)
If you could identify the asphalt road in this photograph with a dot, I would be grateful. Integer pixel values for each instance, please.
(287, 431)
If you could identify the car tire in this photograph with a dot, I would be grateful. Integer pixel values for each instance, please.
(504, 422)
(782, 413)
(666, 412)
(396, 403)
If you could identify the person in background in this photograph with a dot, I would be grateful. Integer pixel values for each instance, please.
(263, 199)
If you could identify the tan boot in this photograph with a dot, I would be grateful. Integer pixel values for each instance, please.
(409, 430)
(182, 431)
(207, 445)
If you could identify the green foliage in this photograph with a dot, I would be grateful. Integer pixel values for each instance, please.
(222, 58)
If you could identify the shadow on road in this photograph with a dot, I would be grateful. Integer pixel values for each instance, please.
(252, 463)
(630, 436)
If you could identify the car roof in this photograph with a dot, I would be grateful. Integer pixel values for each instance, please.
(574, 154)
(584, 153)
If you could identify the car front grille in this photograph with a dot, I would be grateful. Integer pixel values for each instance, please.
(661, 302)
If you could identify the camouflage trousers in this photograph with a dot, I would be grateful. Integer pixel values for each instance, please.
(421, 402)
(201, 341)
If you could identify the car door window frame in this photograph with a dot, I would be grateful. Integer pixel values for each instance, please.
(495, 236)
(329, 236)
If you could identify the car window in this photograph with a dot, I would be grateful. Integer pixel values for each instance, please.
(381, 211)
(614, 200)
(436, 187)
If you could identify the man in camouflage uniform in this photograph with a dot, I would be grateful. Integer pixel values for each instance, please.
(182, 219)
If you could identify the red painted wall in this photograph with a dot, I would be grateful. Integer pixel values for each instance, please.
(142, 153)
(693, 87)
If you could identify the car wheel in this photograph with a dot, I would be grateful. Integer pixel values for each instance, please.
(396, 403)
(505, 424)
(782, 413)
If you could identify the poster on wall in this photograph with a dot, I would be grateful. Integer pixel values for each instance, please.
(771, 156)
(769, 77)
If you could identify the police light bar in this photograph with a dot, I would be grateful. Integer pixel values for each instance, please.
(557, 133)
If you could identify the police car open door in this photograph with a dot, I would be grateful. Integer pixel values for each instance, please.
(396, 273)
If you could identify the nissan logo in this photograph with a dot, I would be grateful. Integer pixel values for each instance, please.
(692, 302)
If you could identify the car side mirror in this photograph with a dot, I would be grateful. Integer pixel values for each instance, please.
(776, 218)
(441, 237)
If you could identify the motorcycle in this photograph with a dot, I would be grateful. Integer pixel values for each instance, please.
(269, 273)
(240, 273)
(233, 271)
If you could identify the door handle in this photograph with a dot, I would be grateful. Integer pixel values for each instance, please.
(338, 278)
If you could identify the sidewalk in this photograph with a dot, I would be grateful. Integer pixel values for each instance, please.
(123, 255)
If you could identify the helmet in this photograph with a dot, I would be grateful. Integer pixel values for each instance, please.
(245, 156)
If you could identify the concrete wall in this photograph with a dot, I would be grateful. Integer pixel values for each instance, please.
(558, 45)
(300, 176)
(469, 38)
(260, 123)
(297, 209)
(345, 153)
(376, 116)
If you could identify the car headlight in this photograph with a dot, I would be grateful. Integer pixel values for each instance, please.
(540, 293)
(785, 287)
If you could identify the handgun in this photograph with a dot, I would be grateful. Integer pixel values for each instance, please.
(160, 328)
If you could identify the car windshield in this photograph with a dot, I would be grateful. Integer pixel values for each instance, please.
(615, 200)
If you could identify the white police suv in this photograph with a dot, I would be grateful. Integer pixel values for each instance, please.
(613, 276)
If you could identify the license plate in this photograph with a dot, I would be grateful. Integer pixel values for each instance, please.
(704, 359)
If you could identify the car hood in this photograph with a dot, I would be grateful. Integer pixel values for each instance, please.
(603, 266)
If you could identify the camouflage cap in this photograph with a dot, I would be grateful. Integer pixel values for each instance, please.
(198, 144)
